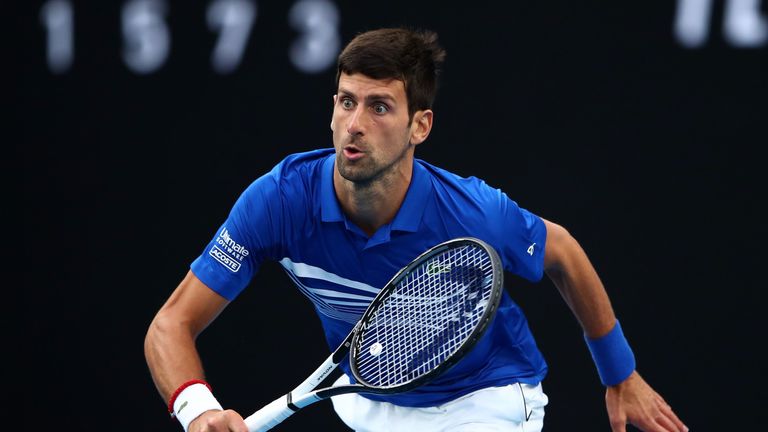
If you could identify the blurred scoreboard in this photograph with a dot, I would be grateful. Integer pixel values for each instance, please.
(147, 33)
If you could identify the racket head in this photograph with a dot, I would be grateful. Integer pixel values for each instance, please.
(431, 313)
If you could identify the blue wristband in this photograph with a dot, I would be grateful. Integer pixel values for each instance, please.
(612, 356)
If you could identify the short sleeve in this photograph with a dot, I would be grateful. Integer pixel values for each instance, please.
(525, 236)
(244, 240)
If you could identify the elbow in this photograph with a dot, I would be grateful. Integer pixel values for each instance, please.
(163, 328)
(154, 335)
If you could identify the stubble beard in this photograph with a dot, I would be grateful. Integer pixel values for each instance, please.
(367, 173)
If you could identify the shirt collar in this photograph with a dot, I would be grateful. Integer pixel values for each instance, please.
(330, 210)
(409, 216)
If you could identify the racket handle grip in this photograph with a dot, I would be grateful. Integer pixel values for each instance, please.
(269, 416)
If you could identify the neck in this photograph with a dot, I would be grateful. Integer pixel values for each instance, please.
(373, 204)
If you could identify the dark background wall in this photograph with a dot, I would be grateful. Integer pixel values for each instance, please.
(638, 126)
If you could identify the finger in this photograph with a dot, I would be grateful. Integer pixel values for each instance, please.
(650, 425)
(667, 424)
(235, 422)
(672, 417)
(618, 425)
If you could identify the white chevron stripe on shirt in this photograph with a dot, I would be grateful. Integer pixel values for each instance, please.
(308, 271)
(334, 304)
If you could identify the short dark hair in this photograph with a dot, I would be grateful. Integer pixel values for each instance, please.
(411, 56)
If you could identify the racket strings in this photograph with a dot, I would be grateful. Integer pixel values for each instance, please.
(430, 314)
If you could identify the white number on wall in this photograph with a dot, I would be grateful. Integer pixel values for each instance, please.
(146, 38)
(57, 17)
(319, 41)
(743, 24)
(233, 20)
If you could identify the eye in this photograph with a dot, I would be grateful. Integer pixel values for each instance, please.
(347, 103)
(380, 108)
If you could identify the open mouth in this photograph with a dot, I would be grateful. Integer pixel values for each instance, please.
(353, 152)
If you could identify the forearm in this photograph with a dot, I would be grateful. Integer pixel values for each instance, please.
(567, 265)
(171, 355)
(569, 268)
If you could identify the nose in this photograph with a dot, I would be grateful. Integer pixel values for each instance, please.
(355, 124)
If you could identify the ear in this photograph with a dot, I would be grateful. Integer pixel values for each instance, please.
(333, 126)
(421, 126)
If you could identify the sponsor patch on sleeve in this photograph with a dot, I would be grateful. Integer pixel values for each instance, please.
(228, 252)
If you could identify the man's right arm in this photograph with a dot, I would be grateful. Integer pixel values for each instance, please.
(169, 346)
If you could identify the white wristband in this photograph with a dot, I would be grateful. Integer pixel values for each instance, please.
(193, 401)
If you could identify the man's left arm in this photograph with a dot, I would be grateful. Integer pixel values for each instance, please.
(629, 399)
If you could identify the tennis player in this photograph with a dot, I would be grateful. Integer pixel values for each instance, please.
(342, 221)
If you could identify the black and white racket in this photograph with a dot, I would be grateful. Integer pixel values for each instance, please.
(421, 323)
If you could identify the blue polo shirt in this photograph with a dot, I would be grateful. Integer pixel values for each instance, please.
(291, 215)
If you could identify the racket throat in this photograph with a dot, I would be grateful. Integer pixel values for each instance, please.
(318, 376)
(302, 401)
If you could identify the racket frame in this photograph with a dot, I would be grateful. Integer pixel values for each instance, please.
(284, 406)
(469, 342)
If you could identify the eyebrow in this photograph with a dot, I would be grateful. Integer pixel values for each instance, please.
(370, 97)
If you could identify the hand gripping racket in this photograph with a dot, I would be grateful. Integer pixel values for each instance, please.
(421, 323)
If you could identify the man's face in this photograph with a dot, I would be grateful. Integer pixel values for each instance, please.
(371, 132)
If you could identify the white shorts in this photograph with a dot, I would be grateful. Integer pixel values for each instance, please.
(515, 407)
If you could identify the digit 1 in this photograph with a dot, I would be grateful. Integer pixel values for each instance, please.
(57, 17)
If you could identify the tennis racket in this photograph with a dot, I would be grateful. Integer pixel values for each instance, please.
(427, 317)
